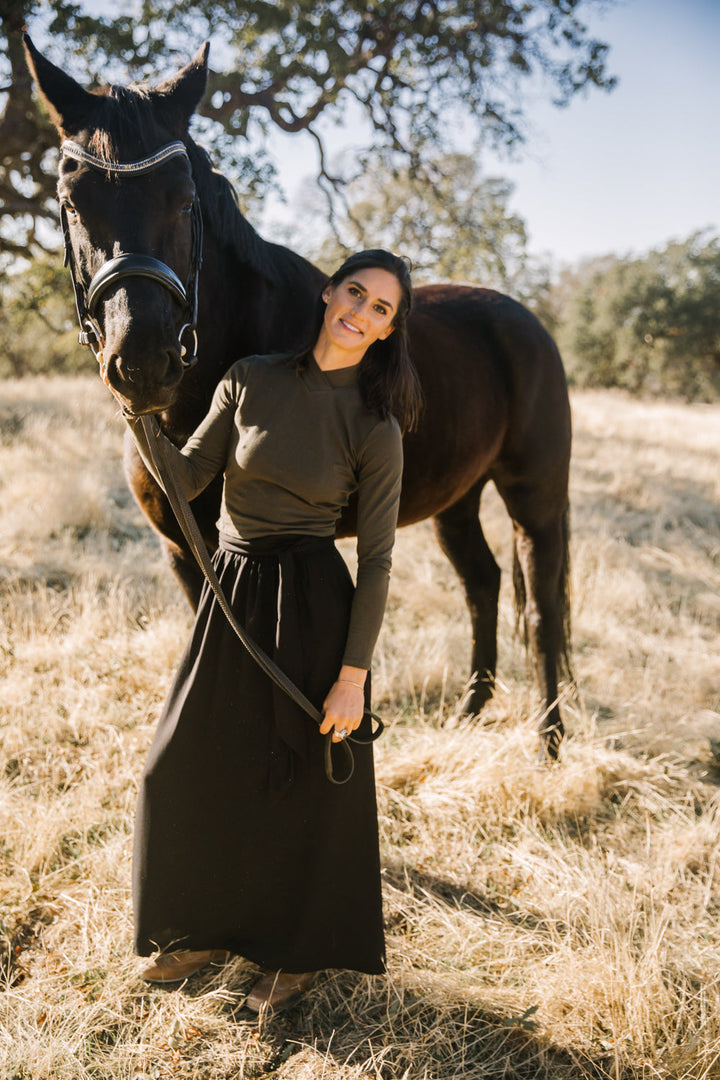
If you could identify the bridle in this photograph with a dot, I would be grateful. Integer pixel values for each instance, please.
(86, 301)
(133, 265)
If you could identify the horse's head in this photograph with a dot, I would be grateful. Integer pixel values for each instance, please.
(132, 227)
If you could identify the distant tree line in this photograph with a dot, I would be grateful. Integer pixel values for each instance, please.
(396, 72)
(38, 333)
(648, 324)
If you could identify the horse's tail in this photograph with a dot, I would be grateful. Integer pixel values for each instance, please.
(564, 612)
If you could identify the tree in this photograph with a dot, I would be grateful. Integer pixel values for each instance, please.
(648, 324)
(452, 222)
(26, 191)
(415, 71)
(37, 321)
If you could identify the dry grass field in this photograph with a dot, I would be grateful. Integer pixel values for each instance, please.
(558, 923)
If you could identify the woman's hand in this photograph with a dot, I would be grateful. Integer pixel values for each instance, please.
(345, 704)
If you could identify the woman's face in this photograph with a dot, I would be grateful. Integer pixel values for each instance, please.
(361, 309)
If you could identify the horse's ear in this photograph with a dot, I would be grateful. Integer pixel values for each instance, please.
(69, 103)
(180, 96)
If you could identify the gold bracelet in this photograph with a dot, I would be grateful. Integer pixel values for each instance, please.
(351, 683)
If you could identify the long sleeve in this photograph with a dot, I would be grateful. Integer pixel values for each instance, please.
(380, 479)
(293, 446)
(204, 454)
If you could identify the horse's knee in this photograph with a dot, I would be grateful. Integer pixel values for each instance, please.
(187, 572)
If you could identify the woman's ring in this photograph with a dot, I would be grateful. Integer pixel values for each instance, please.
(342, 734)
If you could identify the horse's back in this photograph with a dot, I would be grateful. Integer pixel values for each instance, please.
(493, 337)
(495, 396)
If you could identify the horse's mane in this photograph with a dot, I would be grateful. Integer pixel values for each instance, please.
(223, 216)
(125, 113)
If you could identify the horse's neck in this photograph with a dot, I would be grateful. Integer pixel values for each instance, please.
(249, 310)
(255, 296)
(244, 312)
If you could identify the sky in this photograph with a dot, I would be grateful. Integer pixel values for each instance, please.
(624, 171)
(619, 172)
(632, 169)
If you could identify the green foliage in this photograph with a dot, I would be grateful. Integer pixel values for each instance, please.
(649, 325)
(451, 221)
(405, 63)
(37, 322)
(399, 70)
(454, 224)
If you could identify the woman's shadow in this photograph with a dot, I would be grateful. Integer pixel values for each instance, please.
(410, 1024)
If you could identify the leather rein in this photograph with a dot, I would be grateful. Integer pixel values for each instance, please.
(86, 303)
(188, 524)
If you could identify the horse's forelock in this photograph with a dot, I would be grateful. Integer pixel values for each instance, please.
(123, 118)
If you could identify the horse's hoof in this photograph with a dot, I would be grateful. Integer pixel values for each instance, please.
(477, 699)
(549, 747)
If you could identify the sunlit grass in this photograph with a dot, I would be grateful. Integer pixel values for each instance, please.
(557, 923)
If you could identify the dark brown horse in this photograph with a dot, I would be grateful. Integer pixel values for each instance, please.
(496, 397)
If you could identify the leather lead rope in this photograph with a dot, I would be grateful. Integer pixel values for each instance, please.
(191, 531)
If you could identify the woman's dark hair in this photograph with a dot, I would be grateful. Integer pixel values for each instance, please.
(387, 379)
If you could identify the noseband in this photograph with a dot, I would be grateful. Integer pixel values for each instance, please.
(133, 265)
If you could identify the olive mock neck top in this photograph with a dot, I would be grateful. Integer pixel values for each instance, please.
(293, 445)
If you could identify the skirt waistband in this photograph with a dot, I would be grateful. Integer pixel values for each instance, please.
(272, 546)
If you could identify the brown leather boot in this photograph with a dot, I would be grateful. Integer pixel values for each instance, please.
(176, 966)
(278, 989)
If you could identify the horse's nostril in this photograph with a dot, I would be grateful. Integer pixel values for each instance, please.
(173, 369)
(129, 372)
(109, 369)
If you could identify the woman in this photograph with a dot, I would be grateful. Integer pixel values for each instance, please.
(242, 844)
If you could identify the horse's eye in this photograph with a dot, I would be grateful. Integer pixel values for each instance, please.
(69, 208)
(186, 208)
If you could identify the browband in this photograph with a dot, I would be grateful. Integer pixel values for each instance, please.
(122, 168)
(129, 264)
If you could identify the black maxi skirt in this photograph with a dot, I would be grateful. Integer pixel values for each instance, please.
(241, 841)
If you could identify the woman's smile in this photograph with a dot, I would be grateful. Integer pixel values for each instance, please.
(360, 311)
(349, 326)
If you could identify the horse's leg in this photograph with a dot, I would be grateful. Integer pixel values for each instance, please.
(185, 567)
(541, 592)
(541, 555)
(461, 538)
